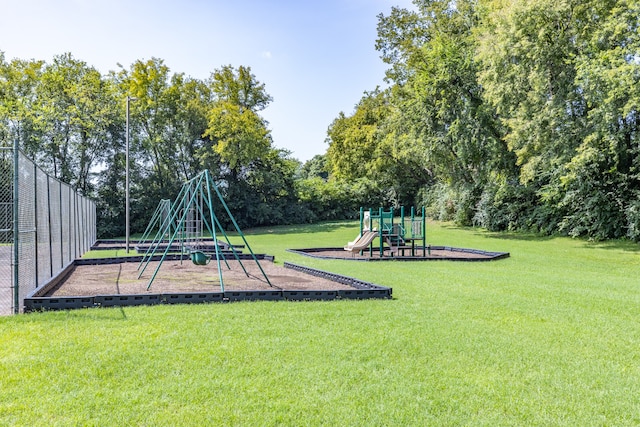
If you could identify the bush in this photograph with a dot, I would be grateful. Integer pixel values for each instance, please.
(632, 214)
(595, 201)
(495, 208)
(439, 201)
(321, 200)
(445, 203)
(512, 207)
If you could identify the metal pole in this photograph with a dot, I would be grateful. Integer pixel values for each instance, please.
(16, 232)
(50, 226)
(35, 222)
(126, 184)
(371, 229)
(381, 232)
(59, 185)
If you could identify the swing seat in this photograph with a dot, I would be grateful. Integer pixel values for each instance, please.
(200, 258)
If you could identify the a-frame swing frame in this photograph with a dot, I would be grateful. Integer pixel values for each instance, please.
(159, 219)
(194, 194)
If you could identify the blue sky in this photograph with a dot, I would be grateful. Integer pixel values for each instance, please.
(316, 58)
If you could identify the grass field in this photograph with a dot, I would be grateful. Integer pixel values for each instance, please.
(547, 337)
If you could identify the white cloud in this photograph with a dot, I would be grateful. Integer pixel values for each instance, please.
(266, 54)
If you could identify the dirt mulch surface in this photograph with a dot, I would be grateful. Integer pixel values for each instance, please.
(176, 276)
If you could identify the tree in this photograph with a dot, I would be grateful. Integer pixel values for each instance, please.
(240, 135)
(239, 87)
(441, 129)
(272, 184)
(563, 76)
(602, 182)
(74, 109)
(526, 50)
(237, 133)
(401, 36)
(353, 139)
(191, 122)
(168, 120)
(152, 114)
(18, 84)
(316, 167)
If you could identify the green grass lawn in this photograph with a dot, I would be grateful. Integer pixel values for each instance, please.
(547, 337)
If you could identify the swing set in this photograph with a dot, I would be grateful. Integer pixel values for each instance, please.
(184, 224)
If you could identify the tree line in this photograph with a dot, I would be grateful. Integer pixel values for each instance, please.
(71, 120)
(505, 114)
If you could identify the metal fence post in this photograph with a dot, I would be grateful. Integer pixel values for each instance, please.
(50, 226)
(35, 219)
(16, 232)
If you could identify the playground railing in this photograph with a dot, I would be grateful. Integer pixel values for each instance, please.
(416, 228)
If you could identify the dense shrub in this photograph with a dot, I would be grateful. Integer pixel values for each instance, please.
(632, 214)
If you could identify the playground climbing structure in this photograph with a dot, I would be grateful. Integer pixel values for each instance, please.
(395, 235)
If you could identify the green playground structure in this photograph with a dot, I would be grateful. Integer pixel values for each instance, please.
(398, 235)
(186, 221)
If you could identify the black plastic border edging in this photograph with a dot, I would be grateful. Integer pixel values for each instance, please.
(111, 244)
(170, 257)
(361, 290)
(483, 255)
(345, 280)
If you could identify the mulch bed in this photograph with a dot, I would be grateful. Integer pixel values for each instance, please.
(184, 276)
(435, 253)
(175, 276)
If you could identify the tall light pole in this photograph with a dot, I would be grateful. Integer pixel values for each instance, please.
(126, 183)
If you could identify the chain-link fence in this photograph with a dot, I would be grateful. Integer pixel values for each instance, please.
(53, 226)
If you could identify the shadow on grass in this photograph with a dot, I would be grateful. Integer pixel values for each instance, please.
(617, 245)
(614, 244)
(302, 228)
(510, 235)
(499, 235)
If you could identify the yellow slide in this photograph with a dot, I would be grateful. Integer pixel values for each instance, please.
(362, 243)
